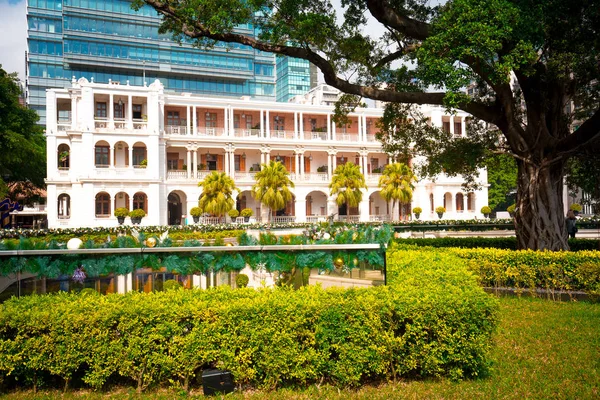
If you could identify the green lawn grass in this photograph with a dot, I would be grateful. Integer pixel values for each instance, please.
(543, 350)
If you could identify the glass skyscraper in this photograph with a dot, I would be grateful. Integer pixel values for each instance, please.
(106, 39)
(294, 77)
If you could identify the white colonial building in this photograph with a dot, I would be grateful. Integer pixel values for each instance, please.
(114, 145)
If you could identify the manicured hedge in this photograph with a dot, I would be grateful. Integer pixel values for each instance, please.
(434, 325)
(509, 243)
(523, 269)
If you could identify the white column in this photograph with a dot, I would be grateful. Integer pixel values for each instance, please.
(463, 126)
(195, 164)
(268, 127)
(329, 166)
(129, 281)
(226, 162)
(301, 123)
(74, 112)
(300, 209)
(302, 165)
(130, 156)
(194, 121)
(230, 125)
(296, 125)
(333, 135)
(129, 112)
(452, 125)
(111, 112)
(232, 164)
(189, 164)
(262, 158)
(366, 165)
(111, 160)
(189, 125)
(333, 162)
(328, 126)
(267, 157)
(297, 164)
(360, 128)
(121, 284)
(262, 128)
(130, 203)
(363, 208)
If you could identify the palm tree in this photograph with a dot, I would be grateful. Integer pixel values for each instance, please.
(217, 190)
(272, 187)
(346, 183)
(396, 184)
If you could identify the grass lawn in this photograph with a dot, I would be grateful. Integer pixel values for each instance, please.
(544, 350)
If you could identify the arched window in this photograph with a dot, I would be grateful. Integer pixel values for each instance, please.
(448, 201)
(101, 155)
(103, 205)
(431, 202)
(140, 201)
(460, 205)
(471, 201)
(64, 157)
(64, 206)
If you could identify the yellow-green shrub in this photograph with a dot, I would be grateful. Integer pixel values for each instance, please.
(425, 327)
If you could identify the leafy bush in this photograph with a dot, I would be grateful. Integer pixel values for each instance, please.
(486, 210)
(511, 209)
(196, 211)
(575, 207)
(172, 284)
(509, 243)
(242, 280)
(121, 212)
(417, 210)
(137, 213)
(247, 212)
(522, 269)
(267, 338)
(440, 209)
(233, 213)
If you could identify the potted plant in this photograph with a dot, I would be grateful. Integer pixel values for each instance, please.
(196, 212)
(137, 215)
(242, 280)
(247, 213)
(511, 210)
(576, 208)
(417, 211)
(233, 214)
(486, 211)
(322, 168)
(63, 156)
(143, 163)
(440, 211)
(121, 213)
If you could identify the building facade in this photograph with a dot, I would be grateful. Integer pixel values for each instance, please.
(104, 40)
(294, 77)
(114, 145)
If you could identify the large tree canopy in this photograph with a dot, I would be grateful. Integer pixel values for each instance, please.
(529, 60)
(22, 143)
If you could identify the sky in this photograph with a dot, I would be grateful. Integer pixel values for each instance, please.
(13, 36)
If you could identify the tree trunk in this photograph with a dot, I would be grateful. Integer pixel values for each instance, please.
(539, 215)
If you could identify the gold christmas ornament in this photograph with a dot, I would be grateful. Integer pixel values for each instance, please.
(355, 261)
(151, 242)
(229, 244)
(338, 262)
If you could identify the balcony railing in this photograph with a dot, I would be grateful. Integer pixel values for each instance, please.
(139, 124)
(373, 177)
(244, 176)
(210, 131)
(379, 218)
(120, 123)
(249, 133)
(315, 135)
(349, 218)
(285, 135)
(63, 126)
(316, 177)
(371, 138)
(176, 175)
(176, 130)
(347, 137)
(101, 122)
(283, 219)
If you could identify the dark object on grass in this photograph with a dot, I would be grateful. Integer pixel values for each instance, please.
(217, 381)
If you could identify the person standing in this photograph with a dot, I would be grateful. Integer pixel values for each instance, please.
(571, 224)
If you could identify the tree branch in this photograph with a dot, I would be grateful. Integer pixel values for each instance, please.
(588, 134)
(381, 10)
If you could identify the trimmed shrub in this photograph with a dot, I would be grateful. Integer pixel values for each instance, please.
(172, 284)
(509, 243)
(241, 280)
(267, 338)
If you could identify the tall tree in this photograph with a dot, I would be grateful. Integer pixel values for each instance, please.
(272, 187)
(22, 143)
(217, 192)
(396, 185)
(346, 183)
(527, 58)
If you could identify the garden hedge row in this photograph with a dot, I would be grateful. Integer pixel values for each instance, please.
(523, 269)
(439, 326)
(509, 243)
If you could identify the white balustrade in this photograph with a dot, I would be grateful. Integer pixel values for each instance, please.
(283, 219)
(176, 175)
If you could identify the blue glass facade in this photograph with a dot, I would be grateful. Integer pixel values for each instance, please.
(293, 77)
(106, 39)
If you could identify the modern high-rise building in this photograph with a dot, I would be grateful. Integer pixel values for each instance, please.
(105, 40)
(295, 76)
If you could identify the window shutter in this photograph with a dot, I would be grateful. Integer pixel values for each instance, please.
(220, 162)
(306, 165)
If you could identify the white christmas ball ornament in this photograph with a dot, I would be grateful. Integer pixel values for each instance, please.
(74, 244)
